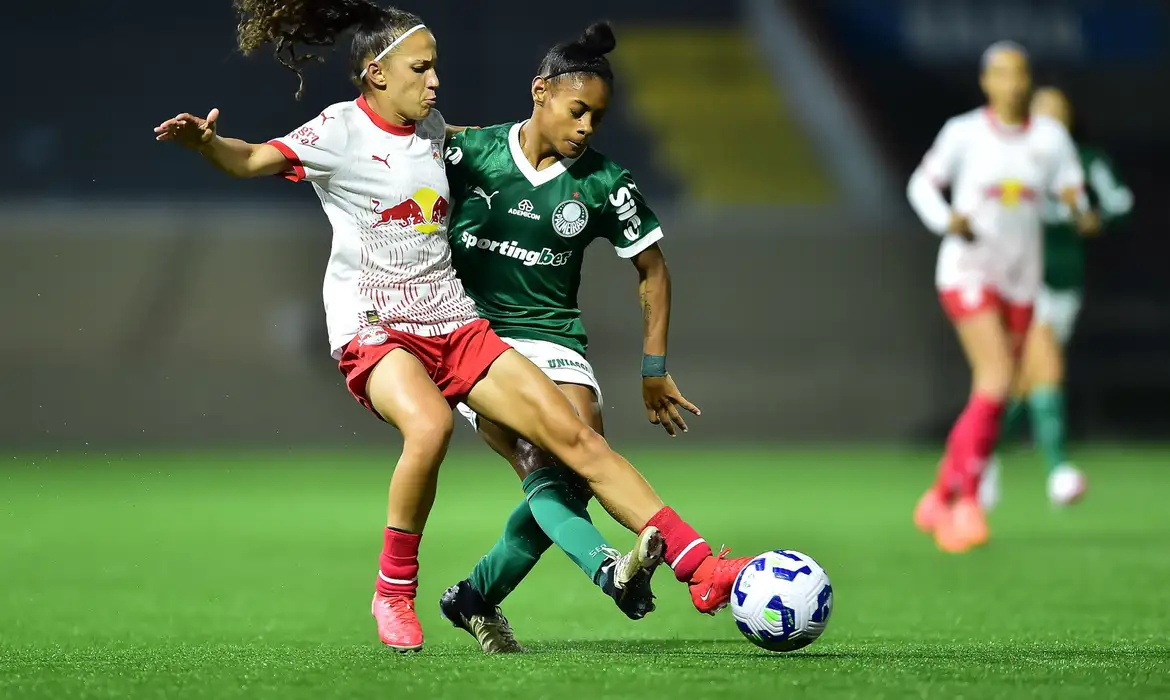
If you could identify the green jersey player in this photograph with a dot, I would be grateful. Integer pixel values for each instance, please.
(1057, 307)
(528, 199)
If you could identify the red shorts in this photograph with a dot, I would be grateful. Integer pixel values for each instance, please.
(963, 303)
(455, 361)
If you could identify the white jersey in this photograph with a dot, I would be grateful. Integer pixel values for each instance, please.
(384, 189)
(999, 177)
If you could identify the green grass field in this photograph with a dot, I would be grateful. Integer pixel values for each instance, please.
(249, 576)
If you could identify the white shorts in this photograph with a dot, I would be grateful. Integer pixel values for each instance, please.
(558, 363)
(1059, 309)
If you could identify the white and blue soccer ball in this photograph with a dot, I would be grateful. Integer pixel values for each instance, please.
(782, 600)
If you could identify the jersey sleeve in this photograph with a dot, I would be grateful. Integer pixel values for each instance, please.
(942, 160)
(316, 150)
(627, 221)
(455, 156)
(936, 171)
(1114, 199)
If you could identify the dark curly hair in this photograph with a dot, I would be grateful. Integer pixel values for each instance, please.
(583, 57)
(286, 23)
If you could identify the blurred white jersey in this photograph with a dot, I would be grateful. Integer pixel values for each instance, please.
(999, 177)
(384, 189)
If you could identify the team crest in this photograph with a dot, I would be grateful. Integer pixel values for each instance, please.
(437, 151)
(373, 335)
(570, 218)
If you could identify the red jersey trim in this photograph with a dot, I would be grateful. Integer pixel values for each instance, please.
(407, 130)
(298, 169)
(1000, 128)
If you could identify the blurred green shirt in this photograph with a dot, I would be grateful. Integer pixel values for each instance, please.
(1064, 253)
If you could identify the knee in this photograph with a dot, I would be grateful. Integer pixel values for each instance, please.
(528, 459)
(589, 445)
(427, 431)
(1050, 371)
(995, 379)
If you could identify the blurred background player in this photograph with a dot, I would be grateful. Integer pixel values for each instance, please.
(1040, 381)
(404, 332)
(999, 164)
(529, 198)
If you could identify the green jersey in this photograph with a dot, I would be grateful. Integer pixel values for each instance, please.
(518, 235)
(1064, 254)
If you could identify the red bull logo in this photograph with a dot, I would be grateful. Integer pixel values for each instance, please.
(425, 212)
(1011, 192)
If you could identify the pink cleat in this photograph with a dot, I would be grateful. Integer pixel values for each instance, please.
(398, 625)
(931, 510)
(713, 580)
(964, 528)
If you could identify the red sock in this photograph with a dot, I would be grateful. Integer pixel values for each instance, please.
(685, 549)
(398, 567)
(970, 445)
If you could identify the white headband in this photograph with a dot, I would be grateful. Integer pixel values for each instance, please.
(390, 48)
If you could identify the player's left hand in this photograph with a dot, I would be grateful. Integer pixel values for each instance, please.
(662, 400)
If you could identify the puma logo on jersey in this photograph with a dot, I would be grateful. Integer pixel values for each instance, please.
(454, 155)
(509, 249)
(325, 117)
(524, 209)
(478, 191)
(384, 161)
(627, 211)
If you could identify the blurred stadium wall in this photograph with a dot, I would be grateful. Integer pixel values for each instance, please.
(150, 302)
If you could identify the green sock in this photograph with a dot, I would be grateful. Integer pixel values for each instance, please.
(513, 556)
(1047, 404)
(565, 519)
(1011, 420)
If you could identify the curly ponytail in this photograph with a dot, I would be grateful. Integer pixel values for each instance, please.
(286, 23)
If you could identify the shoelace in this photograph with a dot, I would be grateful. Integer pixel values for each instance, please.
(496, 626)
(612, 553)
(401, 608)
(619, 563)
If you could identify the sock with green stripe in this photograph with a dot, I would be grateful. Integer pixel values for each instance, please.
(563, 516)
(1046, 404)
(503, 568)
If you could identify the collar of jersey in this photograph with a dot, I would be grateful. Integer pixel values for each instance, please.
(1007, 129)
(381, 123)
(535, 177)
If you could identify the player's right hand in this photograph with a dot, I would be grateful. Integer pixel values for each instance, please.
(1088, 223)
(188, 130)
(961, 227)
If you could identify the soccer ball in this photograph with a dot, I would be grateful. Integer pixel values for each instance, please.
(782, 600)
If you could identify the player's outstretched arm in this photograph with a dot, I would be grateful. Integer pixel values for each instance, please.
(659, 392)
(233, 156)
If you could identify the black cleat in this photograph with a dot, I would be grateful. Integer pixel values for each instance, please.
(626, 578)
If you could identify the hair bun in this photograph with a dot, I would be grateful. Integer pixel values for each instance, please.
(598, 39)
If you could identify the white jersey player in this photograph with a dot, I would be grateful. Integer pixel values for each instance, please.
(405, 334)
(384, 189)
(1000, 166)
(999, 176)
